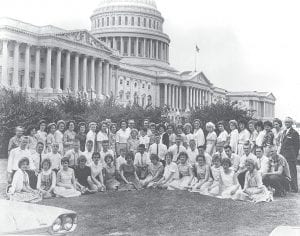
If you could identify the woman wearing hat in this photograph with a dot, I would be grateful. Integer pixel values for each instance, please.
(69, 136)
(198, 133)
(244, 136)
(91, 135)
(233, 136)
(59, 135)
(50, 137)
(41, 134)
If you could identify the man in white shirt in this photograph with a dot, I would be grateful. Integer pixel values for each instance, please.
(234, 158)
(158, 148)
(242, 168)
(177, 148)
(55, 157)
(121, 159)
(91, 135)
(16, 155)
(105, 151)
(202, 152)
(142, 161)
(220, 149)
(38, 156)
(263, 162)
(88, 153)
(74, 154)
(101, 136)
(131, 125)
(144, 138)
(192, 152)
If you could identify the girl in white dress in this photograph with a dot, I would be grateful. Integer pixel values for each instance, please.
(223, 135)
(253, 134)
(201, 180)
(96, 171)
(214, 188)
(229, 184)
(233, 136)
(59, 135)
(244, 137)
(211, 138)
(41, 134)
(185, 174)
(198, 133)
(50, 137)
(46, 179)
(188, 132)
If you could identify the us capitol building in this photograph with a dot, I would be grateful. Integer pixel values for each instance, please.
(125, 55)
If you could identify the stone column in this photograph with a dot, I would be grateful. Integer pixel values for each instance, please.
(121, 46)
(37, 68)
(197, 97)
(167, 53)
(145, 48)
(170, 96)
(136, 46)
(76, 72)
(84, 72)
(173, 96)
(48, 70)
(15, 83)
(110, 82)
(99, 78)
(4, 80)
(157, 49)
(161, 51)
(187, 99)
(201, 98)
(58, 71)
(114, 43)
(151, 49)
(92, 72)
(129, 46)
(180, 98)
(116, 81)
(166, 94)
(157, 95)
(67, 71)
(177, 97)
(106, 76)
(26, 71)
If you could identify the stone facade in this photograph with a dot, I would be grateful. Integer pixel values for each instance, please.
(125, 54)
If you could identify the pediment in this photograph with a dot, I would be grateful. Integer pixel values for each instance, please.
(201, 79)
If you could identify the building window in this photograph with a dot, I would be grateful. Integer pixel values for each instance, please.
(120, 20)
(113, 21)
(132, 20)
(107, 21)
(149, 86)
(126, 20)
(102, 22)
(157, 25)
(42, 60)
(135, 84)
(145, 22)
(154, 24)
(98, 23)
(11, 53)
(150, 23)
(22, 55)
(121, 82)
(143, 86)
(139, 21)
(127, 83)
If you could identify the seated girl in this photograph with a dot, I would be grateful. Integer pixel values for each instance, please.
(186, 174)
(170, 172)
(96, 169)
(155, 172)
(214, 188)
(129, 178)
(201, 180)
(253, 190)
(229, 184)
(110, 173)
(20, 189)
(46, 179)
(83, 175)
(65, 181)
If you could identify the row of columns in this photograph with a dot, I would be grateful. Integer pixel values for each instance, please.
(197, 97)
(149, 48)
(173, 96)
(100, 71)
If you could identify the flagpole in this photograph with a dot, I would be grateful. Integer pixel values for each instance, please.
(195, 60)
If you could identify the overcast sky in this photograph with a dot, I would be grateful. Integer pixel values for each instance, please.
(244, 45)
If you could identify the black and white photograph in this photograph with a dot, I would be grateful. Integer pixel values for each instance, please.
(150, 117)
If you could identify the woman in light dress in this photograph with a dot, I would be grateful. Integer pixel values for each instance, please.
(198, 133)
(20, 189)
(223, 135)
(46, 179)
(233, 136)
(186, 174)
(31, 133)
(253, 190)
(214, 187)
(211, 138)
(188, 133)
(97, 174)
(66, 184)
(155, 172)
(112, 137)
(50, 137)
(41, 134)
(278, 133)
(202, 174)
(59, 135)
(69, 136)
(122, 136)
(244, 137)
(253, 134)
(229, 184)
(133, 141)
(170, 172)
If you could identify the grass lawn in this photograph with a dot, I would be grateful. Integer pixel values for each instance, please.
(157, 212)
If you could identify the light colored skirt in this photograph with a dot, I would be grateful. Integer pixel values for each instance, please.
(36, 196)
(203, 189)
(240, 149)
(180, 184)
(263, 196)
(226, 192)
(64, 192)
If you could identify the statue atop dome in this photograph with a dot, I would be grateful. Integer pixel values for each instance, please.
(140, 3)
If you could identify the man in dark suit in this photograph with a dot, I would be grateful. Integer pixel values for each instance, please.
(290, 150)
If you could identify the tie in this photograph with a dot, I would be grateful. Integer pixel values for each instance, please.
(157, 149)
(177, 149)
(40, 163)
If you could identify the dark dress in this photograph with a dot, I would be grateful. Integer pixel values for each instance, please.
(129, 174)
(82, 139)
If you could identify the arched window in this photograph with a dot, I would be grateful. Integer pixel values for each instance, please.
(120, 20)
(107, 21)
(113, 20)
(132, 20)
(135, 84)
(121, 82)
(126, 20)
(145, 22)
(149, 86)
(127, 83)
(102, 22)
(98, 23)
(143, 86)
(150, 21)
(139, 21)
(154, 24)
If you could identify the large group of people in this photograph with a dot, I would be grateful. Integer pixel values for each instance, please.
(252, 161)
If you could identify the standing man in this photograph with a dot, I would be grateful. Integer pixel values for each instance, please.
(290, 150)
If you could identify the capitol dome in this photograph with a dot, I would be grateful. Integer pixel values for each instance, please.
(141, 3)
(134, 28)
